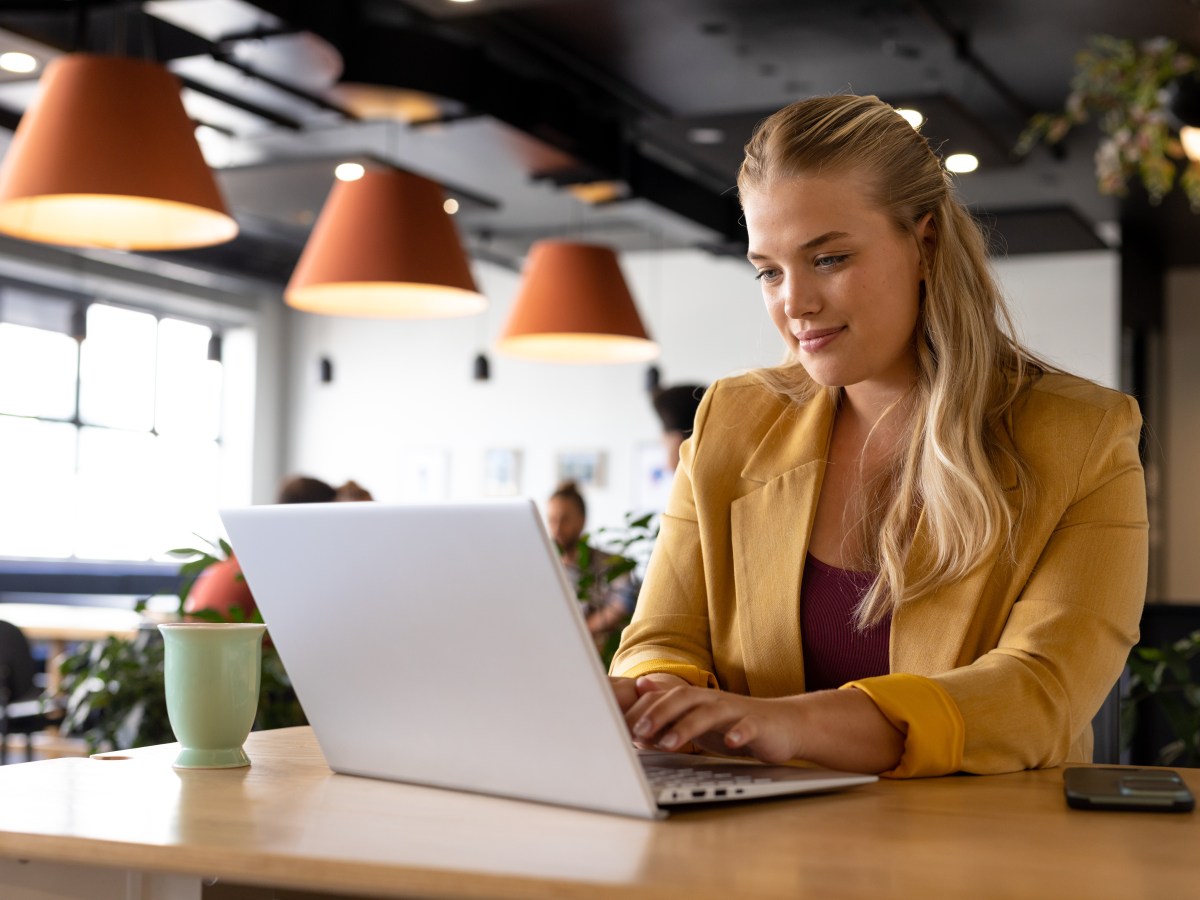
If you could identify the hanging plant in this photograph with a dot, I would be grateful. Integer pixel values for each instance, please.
(1124, 85)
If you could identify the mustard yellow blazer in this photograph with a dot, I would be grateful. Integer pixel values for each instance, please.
(1001, 671)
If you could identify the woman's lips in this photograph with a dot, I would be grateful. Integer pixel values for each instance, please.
(812, 341)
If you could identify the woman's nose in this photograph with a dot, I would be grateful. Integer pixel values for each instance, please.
(799, 302)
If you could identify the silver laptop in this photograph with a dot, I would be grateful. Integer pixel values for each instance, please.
(442, 645)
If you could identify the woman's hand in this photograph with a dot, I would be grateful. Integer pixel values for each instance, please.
(839, 729)
(627, 690)
(672, 717)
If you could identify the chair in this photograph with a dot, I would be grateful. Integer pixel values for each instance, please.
(20, 696)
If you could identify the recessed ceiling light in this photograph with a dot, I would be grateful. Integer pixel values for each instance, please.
(349, 171)
(451, 205)
(14, 61)
(912, 117)
(706, 135)
(962, 162)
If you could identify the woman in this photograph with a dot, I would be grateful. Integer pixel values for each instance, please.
(913, 508)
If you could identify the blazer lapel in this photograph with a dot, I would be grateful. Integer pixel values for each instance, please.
(771, 527)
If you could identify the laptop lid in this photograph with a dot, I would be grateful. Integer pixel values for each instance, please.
(440, 645)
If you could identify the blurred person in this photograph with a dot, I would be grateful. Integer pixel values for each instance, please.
(676, 408)
(352, 491)
(606, 603)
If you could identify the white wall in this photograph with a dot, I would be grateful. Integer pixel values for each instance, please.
(1067, 307)
(403, 398)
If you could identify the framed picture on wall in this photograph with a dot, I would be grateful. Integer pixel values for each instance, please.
(501, 472)
(424, 473)
(587, 468)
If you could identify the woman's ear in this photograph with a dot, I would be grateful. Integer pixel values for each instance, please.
(927, 235)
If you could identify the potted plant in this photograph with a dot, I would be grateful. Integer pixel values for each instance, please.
(113, 688)
(627, 550)
(1162, 678)
(1125, 86)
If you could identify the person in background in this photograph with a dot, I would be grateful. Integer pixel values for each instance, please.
(221, 587)
(606, 603)
(352, 491)
(676, 407)
(914, 548)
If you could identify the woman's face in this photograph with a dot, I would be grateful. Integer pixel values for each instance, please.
(840, 281)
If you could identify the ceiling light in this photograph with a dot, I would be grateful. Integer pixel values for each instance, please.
(962, 163)
(349, 171)
(372, 101)
(1190, 138)
(597, 192)
(450, 206)
(574, 306)
(383, 247)
(15, 61)
(912, 117)
(107, 157)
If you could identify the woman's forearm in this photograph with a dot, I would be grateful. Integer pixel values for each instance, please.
(845, 730)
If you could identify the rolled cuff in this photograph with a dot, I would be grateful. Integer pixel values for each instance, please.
(689, 673)
(933, 727)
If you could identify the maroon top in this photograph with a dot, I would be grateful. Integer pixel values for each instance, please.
(835, 651)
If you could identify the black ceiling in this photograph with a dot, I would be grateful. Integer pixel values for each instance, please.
(533, 95)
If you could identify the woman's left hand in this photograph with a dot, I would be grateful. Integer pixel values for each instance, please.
(769, 729)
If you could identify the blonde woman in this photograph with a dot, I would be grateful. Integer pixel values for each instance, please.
(914, 548)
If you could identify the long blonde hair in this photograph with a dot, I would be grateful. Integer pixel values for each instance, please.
(970, 367)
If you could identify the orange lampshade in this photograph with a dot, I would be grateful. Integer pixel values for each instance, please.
(107, 157)
(574, 306)
(383, 246)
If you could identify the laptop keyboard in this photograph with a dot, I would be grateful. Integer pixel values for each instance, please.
(698, 783)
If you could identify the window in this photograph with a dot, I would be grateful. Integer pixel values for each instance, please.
(109, 448)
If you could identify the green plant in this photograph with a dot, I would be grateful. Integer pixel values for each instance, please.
(628, 551)
(114, 688)
(1122, 84)
(1162, 676)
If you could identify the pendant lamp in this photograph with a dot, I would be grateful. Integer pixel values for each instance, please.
(382, 247)
(106, 156)
(574, 306)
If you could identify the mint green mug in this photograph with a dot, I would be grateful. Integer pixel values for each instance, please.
(212, 672)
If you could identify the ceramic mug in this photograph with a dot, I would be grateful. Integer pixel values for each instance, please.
(212, 672)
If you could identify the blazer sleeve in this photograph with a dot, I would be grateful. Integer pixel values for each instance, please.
(1023, 704)
(669, 632)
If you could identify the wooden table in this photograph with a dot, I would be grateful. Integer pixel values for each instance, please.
(135, 827)
(59, 624)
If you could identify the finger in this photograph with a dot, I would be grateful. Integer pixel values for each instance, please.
(760, 738)
(663, 708)
(660, 681)
(702, 719)
(624, 690)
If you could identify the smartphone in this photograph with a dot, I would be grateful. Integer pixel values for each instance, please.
(1106, 787)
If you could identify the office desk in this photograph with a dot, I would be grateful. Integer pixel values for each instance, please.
(137, 828)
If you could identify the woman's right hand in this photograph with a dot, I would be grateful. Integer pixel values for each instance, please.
(629, 690)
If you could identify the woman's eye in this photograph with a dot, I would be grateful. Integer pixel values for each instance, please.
(765, 275)
(829, 262)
